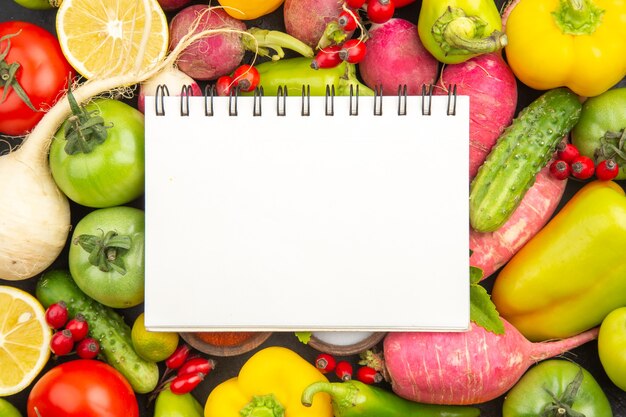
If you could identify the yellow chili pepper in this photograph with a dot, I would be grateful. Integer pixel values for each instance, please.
(580, 44)
(249, 9)
(269, 384)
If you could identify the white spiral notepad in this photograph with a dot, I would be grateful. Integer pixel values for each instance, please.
(307, 213)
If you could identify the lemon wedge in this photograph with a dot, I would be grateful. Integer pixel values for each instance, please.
(105, 38)
(24, 339)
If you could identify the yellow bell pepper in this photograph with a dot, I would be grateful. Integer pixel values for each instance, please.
(249, 9)
(580, 44)
(269, 384)
(572, 273)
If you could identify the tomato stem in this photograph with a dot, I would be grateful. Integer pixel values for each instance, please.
(83, 131)
(106, 251)
(7, 74)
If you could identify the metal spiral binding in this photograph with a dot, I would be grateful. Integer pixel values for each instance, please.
(161, 92)
(427, 95)
(185, 92)
(281, 100)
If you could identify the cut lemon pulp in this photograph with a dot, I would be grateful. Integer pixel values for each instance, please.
(24, 339)
(105, 38)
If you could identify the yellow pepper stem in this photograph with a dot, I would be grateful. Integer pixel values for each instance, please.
(458, 33)
(263, 406)
(577, 17)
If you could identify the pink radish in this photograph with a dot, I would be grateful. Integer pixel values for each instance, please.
(492, 250)
(492, 88)
(220, 53)
(395, 57)
(465, 367)
(171, 77)
(307, 19)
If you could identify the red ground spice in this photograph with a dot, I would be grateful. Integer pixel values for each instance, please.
(224, 338)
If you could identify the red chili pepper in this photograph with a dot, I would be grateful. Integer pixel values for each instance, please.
(186, 383)
(179, 357)
(325, 362)
(343, 370)
(196, 365)
(368, 375)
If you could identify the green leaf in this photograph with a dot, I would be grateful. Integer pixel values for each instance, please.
(476, 275)
(482, 310)
(303, 337)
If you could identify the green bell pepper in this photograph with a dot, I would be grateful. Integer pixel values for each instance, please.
(297, 72)
(456, 30)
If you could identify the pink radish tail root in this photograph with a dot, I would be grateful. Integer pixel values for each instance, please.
(548, 349)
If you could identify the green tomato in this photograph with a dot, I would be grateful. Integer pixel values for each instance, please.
(106, 257)
(612, 346)
(107, 172)
(558, 385)
(8, 410)
(600, 131)
(169, 404)
(38, 4)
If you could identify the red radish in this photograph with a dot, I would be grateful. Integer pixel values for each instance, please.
(395, 57)
(492, 250)
(492, 88)
(171, 77)
(307, 19)
(220, 53)
(463, 368)
(171, 5)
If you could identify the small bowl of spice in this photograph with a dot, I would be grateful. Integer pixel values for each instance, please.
(225, 343)
(342, 343)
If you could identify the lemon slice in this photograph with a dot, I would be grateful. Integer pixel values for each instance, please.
(105, 38)
(24, 339)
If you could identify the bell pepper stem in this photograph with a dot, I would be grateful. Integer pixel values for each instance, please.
(578, 17)
(459, 34)
(262, 41)
(263, 406)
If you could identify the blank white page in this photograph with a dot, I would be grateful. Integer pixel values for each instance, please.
(283, 223)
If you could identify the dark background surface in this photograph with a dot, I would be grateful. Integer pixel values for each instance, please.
(586, 355)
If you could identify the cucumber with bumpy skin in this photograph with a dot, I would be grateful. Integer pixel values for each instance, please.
(105, 325)
(522, 150)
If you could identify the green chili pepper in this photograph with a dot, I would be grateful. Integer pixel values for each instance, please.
(297, 72)
(356, 399)
(454, 31)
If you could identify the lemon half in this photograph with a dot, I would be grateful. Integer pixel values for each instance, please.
(105, 38)
(24, 339)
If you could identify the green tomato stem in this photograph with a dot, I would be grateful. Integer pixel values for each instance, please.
(106, 251)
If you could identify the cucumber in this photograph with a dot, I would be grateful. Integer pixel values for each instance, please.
(105, 325)
(522, 150)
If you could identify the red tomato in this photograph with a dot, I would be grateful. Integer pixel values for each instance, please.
(43, 73)
(82, 388)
